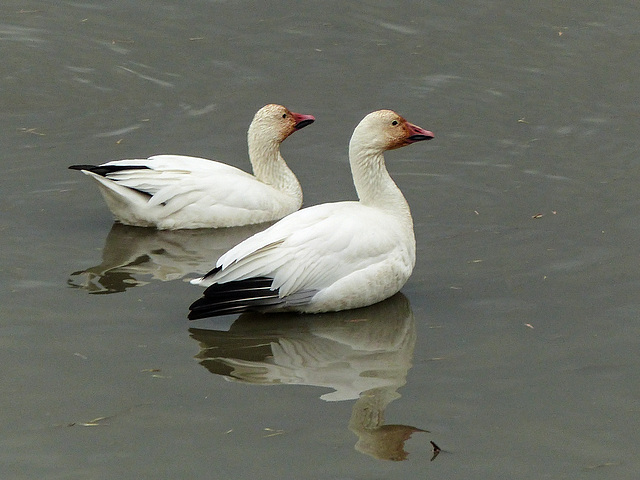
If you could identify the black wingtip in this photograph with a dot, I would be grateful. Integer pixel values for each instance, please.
(104, 170)
(211, 273)
(82, 167)
(234, 298)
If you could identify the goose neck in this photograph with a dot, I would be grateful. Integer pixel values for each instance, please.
(269, 167)
(374, 185)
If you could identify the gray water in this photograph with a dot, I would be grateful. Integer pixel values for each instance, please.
(514, 343)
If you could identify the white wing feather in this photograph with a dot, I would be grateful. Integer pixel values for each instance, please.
(312, 248)
(190, 190)
(187, 179)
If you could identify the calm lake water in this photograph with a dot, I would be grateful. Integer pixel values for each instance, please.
(514, 345)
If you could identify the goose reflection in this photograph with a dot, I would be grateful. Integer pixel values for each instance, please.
(135, 256)
(362, 355)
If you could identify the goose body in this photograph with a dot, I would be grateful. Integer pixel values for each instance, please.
(328, 257)
(177, 192)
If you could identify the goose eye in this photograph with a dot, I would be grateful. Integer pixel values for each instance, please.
(394, 123)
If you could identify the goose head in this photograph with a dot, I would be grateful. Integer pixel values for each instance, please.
(275, 123)
(386, 130)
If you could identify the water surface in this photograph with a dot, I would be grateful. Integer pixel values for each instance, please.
(515, 341)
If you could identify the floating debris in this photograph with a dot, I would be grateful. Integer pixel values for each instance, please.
(91, 423)
(436, 451)
(31, 131)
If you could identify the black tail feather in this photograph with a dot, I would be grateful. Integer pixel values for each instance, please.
(105, 170)
(235, 297)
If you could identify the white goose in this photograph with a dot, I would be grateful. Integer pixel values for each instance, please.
(328, 257)
(175, 191)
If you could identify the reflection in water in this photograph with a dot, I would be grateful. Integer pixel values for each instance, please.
(133, 256)
(362, 354)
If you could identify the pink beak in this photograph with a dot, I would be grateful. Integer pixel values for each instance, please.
(302, 120)
(418, 134)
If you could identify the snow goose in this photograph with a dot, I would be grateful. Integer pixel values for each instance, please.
(175, 191)
(328, 257)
